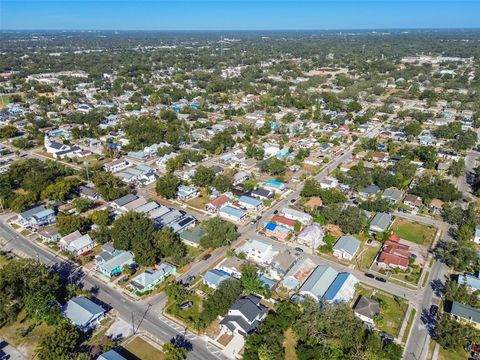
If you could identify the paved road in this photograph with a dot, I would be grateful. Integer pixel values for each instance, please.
(144, 317)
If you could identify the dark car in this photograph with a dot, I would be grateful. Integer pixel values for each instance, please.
(380, 279)
(186, 305)
(188, 280)
(293, 200)
(206, 256)
(433, 310)
(371, 276)
(299, 249)
(275, 212)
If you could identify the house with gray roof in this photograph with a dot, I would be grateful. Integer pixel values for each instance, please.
(392, 194)
(124, 200)
(147, 280)
(185, 192)
(192, 237)
(244, 316)
(464, 313)
(369, 191)
(36, 217)
(318, 282)
(366, 309)
(381, 222)
(110, 262)
(346, 247)
(111, 355)
(213, 278)
(83, 313)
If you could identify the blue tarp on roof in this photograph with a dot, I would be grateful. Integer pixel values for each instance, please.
(270, 226)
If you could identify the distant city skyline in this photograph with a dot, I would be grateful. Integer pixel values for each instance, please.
(237, 15)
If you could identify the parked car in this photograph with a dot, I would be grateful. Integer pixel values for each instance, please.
(371, 276)
(275, 212)
(186, 305)
(206, 256)
(187, 281)
(293, 200)
(299, 249)
(378, 278)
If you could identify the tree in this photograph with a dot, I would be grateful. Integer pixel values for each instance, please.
(451, 334)
(203, 176)
(273, 166)
(134, 231)
(413, 129)
(255, 152)
(221, 300)
(101, 217)
(61, 189)
(431, 186)
(167, 185)
(81, 204)
(170, 246)
(61, 343)
(251, 281)
(109, 186)
(173, 352)
(218, 232)
(457, 168)
(223, 182)
(67, 224)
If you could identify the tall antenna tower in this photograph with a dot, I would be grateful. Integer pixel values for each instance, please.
(363, 49)
(221, 46)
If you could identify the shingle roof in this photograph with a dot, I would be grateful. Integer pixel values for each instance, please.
(125, 199)
(465, 312)
(367, 307)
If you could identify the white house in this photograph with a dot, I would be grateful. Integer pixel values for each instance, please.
(258, 251)
(346, 247)
(76, 243)
(293, 214)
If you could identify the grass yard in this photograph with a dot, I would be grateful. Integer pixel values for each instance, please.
(4, 260)
(4, 100)
(452, 354)
(367, 256)
(414, 232)
(200, 201)
(186, 316)
(409, 326)
(289, 343)
(392, 313)
(140, 349)
(411, 275)
(28, 343)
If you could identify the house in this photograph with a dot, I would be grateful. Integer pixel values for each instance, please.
(216, 204)
(88, 192)
(318, 282)
(380, 157)
(392, 194)
(329, 183)
(213, 278)
(312, 236)
(185, 192)
(369, 191)
(134, 205)
(258, 251)
(277, 231)
(465, 313)
(53, 147)
(381, 222)
(36, 217)
(116, 165)
(232, 213)
(124, 200)
(50, 234)
(240, 177)
(471, 281)
(298, 273)
(244, 316)
(76, 243)
(366, 309)
(183, 223)
(111, 262)
(342, 288)
(413, 201)
(249, 203)
(346, 247)
(281, 263)
(313, 203)
(394, 255)
(232, 266)
(275, 186)
(436, 205)
(476, 237)
(282, 220)
(192, 237)
(83, 313)
(147, 208)
(111, 355)
(148, 279)
(296, 215)
(262, 194)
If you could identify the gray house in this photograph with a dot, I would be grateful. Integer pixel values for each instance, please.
(83, 313)
(244, 316)
(346, 247)
(381, 222)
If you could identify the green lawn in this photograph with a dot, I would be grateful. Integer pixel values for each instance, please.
(409, 326)
(186, 316)
(4, 100)
(140, 349)
(411, 275)
(367, 256)
(414, 232)
(452, 354)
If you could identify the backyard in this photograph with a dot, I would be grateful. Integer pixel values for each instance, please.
(414, 232)
(141, 349)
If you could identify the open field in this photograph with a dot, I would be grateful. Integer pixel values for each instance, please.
(140, 349)
(414, 232)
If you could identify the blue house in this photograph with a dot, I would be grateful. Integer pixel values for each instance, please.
(36, 217)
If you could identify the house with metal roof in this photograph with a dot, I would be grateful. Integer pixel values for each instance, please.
(473, 282)
(146, 208)
(79, 245)
(249, 203)
(147, 280)
(213, 278)
(244, 316)
(111, 355)
(192, 237)
(184, 223)
(124, 200)
(298, 273)
(232, 213)
(464, 313)
(342, 289)
(296, 215)
(346, 247)
(381, 222)
(312, 236)
(185, 192)
(112, 262)
(274, 185)
(83, 313)
(318, 282)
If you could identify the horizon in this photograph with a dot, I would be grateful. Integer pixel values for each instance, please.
(236, 15)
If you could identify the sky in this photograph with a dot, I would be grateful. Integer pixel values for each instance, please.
(237, 14)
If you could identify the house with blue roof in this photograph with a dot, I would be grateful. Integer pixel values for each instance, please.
(83, 313)
(232, 213)
(473, 282)
(274, 185)
(250, 203)
(185, 192)
(342, 288)
(318, 282)
(213, 278)
(111, 355)
(346, 247)
(111, 262)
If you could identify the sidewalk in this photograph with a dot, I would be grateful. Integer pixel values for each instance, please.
(399, 338)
